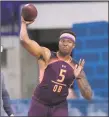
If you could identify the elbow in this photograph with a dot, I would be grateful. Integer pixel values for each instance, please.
(88, 96)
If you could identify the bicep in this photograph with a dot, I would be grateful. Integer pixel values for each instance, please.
(33, 47)
(36, 50)
(46, 54)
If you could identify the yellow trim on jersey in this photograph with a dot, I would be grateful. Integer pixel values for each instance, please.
(58, 83)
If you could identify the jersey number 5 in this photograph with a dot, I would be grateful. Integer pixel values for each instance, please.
(62, 75)
(58, 88)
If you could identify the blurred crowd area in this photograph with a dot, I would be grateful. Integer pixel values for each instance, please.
(21, 70)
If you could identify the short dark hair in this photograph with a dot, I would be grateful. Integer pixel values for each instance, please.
(68, 31)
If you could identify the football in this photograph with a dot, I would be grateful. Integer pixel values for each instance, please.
(29, 12)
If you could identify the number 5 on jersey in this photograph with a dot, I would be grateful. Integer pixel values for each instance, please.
(62, 75)
(58, 88)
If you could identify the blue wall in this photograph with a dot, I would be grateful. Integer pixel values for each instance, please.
(92, 45)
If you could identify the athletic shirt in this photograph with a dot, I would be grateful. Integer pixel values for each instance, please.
(57, 78)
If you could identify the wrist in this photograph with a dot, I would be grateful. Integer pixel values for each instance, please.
(23, 22)
(78, 77)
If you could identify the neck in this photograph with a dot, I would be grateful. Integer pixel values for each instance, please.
(63, 57)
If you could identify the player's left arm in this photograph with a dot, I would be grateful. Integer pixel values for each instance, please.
(84, 86)
(82, 82)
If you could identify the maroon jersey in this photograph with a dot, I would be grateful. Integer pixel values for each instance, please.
(57, 78)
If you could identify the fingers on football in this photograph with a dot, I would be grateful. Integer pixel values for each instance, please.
(29, 22)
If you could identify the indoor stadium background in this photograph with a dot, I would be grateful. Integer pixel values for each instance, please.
(89, 20)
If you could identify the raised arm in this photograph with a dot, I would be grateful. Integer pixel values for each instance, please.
(33, 47)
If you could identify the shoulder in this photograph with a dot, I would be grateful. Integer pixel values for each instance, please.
(46, 54)
(46, 50)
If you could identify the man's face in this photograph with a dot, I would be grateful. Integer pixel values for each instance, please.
(66, 46)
